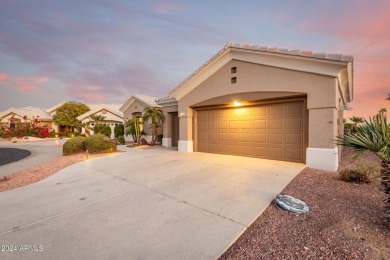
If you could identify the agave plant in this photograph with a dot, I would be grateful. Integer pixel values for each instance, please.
(373, 135)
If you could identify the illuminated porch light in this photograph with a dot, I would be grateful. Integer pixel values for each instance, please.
(237, 104)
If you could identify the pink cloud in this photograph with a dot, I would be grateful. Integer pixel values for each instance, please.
(165, 7)
(23, 84)
(3, 76)
(87, 93)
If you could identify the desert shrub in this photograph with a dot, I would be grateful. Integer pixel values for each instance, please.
(99, 143)
(362, 173)
(119, 130)
(102, 129)
(74, 145)
(121, 139)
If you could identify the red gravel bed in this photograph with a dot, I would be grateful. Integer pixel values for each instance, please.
(346, 221)
(42, 171)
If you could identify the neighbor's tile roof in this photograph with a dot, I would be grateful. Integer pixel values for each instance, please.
(27, 111)
(148, 100)
(276, 50)
(113, 108)
(165, 99)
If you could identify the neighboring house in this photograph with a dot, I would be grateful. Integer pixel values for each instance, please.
(111, 113)
(133, 109)
(257, 101)
(30, 112)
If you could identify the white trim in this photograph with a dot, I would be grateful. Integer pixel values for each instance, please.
(167, 142)
(186, 146)
(323, 158)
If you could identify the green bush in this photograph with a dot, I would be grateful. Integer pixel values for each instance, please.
(99, 143)
(119, 130)
(362, 173)
(121, 139)
(83, 135)
(102, 129)
(74, 145)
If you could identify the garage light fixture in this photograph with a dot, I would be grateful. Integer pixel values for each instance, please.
(237, 104)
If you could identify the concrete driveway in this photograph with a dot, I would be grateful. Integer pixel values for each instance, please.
(142, 204)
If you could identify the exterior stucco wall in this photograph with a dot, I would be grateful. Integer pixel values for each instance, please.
(268, 82)
(138, 107)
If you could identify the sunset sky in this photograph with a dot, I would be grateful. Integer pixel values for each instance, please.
(103, 51)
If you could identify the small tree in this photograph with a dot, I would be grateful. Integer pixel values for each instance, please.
(156, 116)
(67, 114)
(133, 128)
(119, 130)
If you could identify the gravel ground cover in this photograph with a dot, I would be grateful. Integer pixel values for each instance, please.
(42, 171)
(347, 220)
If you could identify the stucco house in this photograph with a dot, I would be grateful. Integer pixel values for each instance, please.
(111, 113)
(264, 102)
(31, 112)
(133, 109)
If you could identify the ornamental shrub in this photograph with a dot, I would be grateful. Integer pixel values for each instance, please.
(121, 139)
(99, 143)
(362, 173)
(102, 129)
(74, 145)
(119, 130)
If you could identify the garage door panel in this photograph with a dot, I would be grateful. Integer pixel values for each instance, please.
(275, 124)
(294, 124)
(234, 124)
(260, 124)
(246, 124)
(294, 139)
(275, 139)
(223, 137)
(260, 111)
(212, 114)
(294, 155)
(275, 110)
(234, 137)
(260, 138)
(212, 147)
(260, 151)
(246, 137)
(275, 153)
(223, 125)
(294, 109)
(212, 137)
(273, 131)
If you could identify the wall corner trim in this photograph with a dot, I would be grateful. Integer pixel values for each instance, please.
(186, 146)
(323, 158)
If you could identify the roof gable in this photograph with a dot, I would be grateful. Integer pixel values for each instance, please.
(109, 108)
(334, 65)
(146, 100)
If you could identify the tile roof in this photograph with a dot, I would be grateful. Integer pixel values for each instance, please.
(28, 111)
(165, 99)
(268, 49)
(148, 100)
(113, 108)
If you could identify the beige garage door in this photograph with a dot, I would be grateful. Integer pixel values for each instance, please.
(273, 131)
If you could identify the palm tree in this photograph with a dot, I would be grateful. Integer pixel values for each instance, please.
(373, 135)
(133, 128)
(156, 115)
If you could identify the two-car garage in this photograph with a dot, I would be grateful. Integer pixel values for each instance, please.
(263, 102)
(272, 130)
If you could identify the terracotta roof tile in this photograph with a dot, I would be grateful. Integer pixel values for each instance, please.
(277, 50)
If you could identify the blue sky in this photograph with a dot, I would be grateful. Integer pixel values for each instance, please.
(103, 51)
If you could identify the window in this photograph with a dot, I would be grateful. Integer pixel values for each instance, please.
(233, 80)
(233, 70)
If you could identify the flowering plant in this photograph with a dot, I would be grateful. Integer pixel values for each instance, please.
(25, 127)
